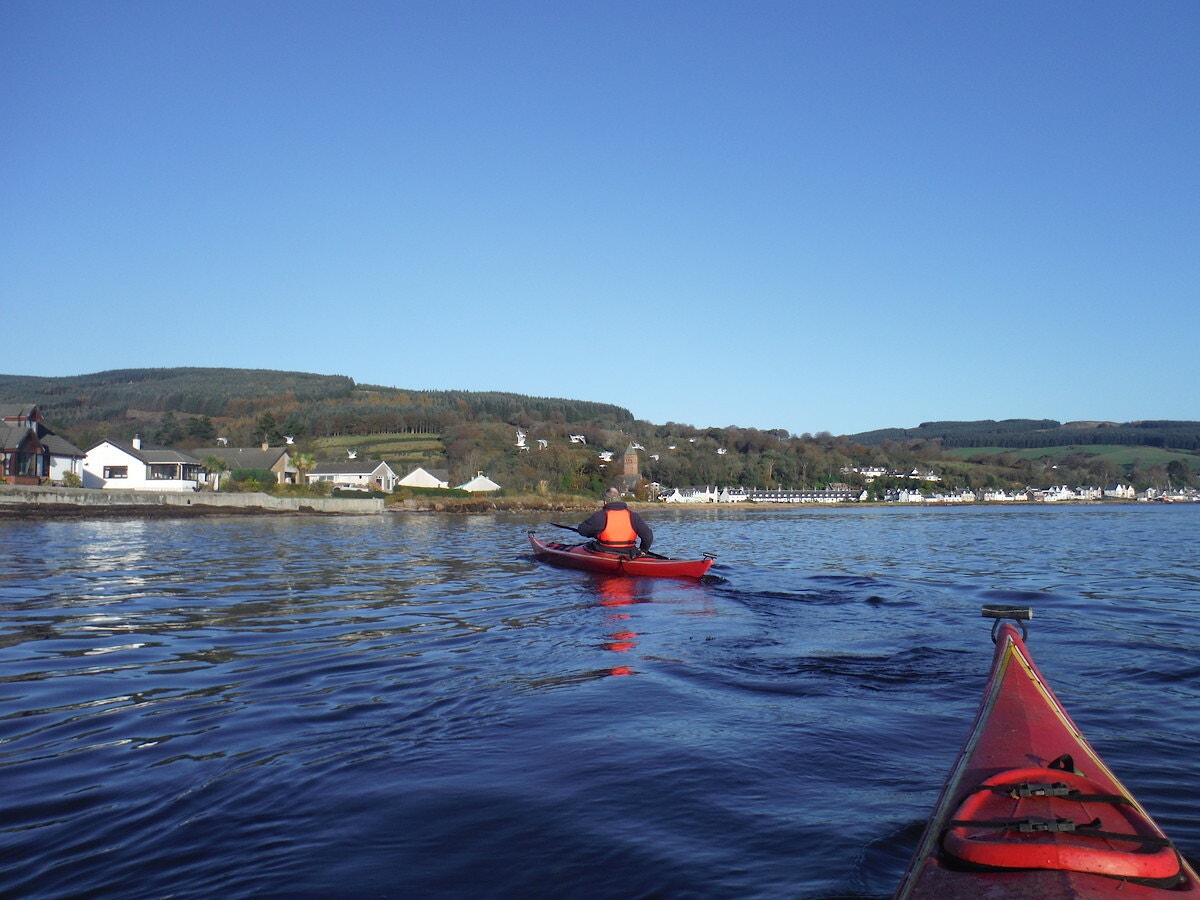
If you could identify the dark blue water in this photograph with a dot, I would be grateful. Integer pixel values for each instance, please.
(411, 706)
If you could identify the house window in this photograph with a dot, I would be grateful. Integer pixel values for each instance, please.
(116, 472)
(162, 472)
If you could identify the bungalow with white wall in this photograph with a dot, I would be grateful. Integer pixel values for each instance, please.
(364, 473)
(276, 460)
(115, 465)
(425, 478)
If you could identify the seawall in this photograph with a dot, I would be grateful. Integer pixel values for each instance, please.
(44, 501)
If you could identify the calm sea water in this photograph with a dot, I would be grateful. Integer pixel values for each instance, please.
(411, 706)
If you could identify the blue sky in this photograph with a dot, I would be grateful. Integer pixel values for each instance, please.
(830, 216)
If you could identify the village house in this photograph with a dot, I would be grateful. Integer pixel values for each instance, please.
(30, 452)
(425, 478)
(276, 460)
(1056, 494)
(355, 473)
(869, 473)
(706, 494)
(940, 498)
(116, 465)
(480, 484)
(831, 494)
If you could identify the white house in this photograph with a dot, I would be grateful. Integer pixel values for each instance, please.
(423, 478)
(1058, 494)
(115, 465)
(366, 473)
(692, 495)
(479, 484)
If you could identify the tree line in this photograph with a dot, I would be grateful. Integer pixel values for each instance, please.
(1021, 434)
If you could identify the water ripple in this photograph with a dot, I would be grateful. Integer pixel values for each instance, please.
(326, 707)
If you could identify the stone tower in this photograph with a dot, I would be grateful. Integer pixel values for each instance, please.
(630, 471)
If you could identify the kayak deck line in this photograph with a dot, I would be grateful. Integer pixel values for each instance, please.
(1016, 817)
(1057, 833)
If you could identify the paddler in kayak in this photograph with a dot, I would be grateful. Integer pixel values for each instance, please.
(616, 528)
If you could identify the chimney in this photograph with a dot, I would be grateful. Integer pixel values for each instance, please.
(266, 446)
(137, 442)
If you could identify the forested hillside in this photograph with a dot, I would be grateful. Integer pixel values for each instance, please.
(1026, 433)
(468, 431)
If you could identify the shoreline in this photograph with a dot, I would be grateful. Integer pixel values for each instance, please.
(56, 502)
(28, 502)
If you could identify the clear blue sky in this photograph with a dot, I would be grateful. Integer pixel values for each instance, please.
(830, 216)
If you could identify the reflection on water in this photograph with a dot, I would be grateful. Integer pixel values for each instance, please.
(612, 594)
(412, 704)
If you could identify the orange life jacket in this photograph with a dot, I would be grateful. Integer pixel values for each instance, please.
(618, 533)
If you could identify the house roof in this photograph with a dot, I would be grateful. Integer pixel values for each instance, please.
(440, 474)
(422, 477)
(19, 412)
(150, 455)
(479, 483)
(243, 457)
(60, 446)
(13, 436)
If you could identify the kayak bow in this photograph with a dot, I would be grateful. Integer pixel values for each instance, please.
(1030, 809)
(578, 556)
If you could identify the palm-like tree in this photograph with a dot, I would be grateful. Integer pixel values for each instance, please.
(214, 465)
(304, 463)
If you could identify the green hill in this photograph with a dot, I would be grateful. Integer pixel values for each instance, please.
(1019, 434)
(469, 431)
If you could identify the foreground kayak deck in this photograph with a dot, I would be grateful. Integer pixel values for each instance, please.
(577, 556)
(1030, 809)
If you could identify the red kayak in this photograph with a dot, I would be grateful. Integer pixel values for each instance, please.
(578, 556)
(1030, 810)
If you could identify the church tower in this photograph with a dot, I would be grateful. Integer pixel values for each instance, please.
(630, 471)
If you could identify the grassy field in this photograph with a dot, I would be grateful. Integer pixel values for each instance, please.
(402, 452)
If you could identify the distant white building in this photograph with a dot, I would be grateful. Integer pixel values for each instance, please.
(366, 473)
(424, 478)
(115, 465)
(480, 484)
(1058, 494)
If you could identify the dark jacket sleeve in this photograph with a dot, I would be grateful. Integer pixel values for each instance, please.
(643, 530)
(593, 524)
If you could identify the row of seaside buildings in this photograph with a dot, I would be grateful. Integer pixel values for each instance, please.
(843, 494)
(30, 453)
